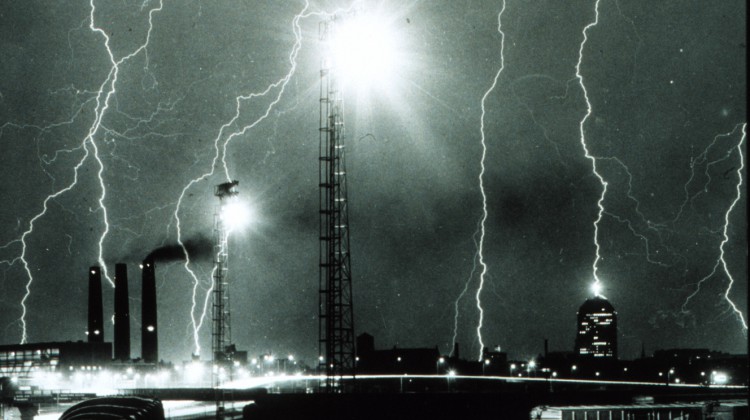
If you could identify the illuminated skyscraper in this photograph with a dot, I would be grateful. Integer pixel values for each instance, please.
(597, 330)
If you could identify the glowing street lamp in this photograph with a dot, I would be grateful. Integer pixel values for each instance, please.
(719, 378)
(440, 361)
(531, 367)
(451, 374)
(670, 372)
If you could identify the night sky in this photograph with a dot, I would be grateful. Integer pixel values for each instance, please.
(667, 86)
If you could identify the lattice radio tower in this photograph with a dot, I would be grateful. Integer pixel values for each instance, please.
(336, 315)
(221, 333)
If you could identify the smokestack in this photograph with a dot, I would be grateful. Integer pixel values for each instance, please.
(122, 313)
(149, 330)
(546, 348)
(95, 328)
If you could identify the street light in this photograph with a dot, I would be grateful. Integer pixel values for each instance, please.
(719, 378)
(439, 362)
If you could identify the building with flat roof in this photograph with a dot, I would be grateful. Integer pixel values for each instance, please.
(21, 360)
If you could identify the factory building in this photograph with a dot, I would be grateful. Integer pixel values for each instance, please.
(397, 361)
(22, 360)
(596, 337)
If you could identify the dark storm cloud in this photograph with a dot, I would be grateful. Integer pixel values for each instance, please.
(199, 248)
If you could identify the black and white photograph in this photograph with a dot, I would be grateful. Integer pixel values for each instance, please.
(355, 209)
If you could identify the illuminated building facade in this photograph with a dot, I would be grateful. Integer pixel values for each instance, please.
(596, 336)
(21, 360)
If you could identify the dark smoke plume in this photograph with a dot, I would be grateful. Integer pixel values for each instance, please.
(199, 248)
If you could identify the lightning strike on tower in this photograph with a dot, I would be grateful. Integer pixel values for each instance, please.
(595, 266)
(220, 144)
(335, 307)
(229, 217)
(480, 250)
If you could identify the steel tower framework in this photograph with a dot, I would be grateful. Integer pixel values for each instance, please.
(336, 315)
(221, 333)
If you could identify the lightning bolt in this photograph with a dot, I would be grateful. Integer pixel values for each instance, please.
(480, 250)
(221, 143)
(112, 82)
(699, 160)
(90, 148)
(721, 261)
(463, 292)
(649, 225)
(600, 203)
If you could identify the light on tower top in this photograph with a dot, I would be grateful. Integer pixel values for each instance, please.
(234, 212)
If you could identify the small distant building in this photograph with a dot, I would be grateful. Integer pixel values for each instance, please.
(494, 362)
(20, 360)
(686, 356)
(596, 337)
(395, 361)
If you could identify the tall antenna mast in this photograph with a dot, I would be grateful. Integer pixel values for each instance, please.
(336, 315)
(221, 334)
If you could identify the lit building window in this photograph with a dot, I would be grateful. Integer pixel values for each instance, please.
(597, 329)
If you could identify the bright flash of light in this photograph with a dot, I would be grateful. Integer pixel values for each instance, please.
(480, 250)
(364, 50)
(596, 288)
(600, 203)
(719, 378)
(236, 214)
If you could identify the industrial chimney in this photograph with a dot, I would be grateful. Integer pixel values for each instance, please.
(122, 313)
(149, 330)
(95, 328)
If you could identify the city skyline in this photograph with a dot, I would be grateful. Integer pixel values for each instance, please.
(666, 130)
